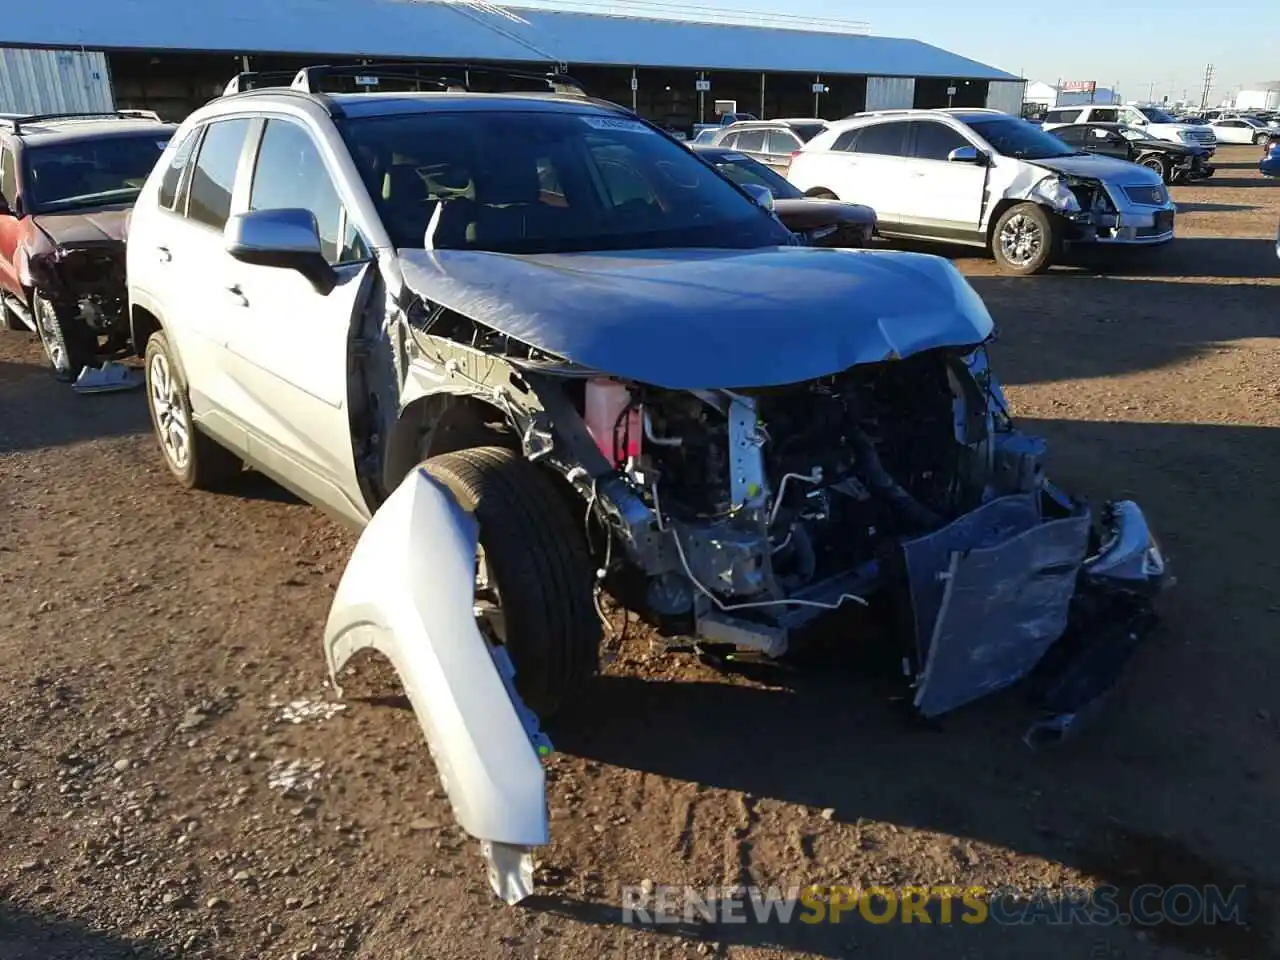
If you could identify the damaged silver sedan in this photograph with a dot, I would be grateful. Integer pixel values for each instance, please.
(535, 349)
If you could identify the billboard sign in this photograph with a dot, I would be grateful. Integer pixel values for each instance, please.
(1080, 86)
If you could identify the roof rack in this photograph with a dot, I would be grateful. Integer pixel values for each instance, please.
(17, 123)
(449, 76)
(256, 79)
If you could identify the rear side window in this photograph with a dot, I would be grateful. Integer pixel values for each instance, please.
(8, 176)
(884, 139)
(935, 141)
(779, 141)
(1063, 116)
(750, 140)
(1104, 115)
(172, 180)
(214, 176)
(1072, 135)
(846, 140)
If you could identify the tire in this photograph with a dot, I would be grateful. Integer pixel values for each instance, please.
(537, 557)
(206, 465)
(1260, 138)
(1029, 223)
(1158, 165)
(68, 343)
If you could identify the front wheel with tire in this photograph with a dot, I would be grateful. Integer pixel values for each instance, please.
(534, 575)
(67, 340)
(1158, 166)
(195, 460)
(1025, 239)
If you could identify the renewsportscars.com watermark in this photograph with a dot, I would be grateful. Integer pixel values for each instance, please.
(1147, 905)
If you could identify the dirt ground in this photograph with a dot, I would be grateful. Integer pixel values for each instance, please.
(156, 799)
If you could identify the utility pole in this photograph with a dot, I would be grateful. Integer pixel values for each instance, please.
(1208, 86)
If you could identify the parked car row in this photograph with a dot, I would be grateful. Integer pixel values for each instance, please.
(531, 346)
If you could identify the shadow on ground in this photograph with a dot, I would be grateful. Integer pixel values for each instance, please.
(41, 412)
(1117, 325)
(28, 936)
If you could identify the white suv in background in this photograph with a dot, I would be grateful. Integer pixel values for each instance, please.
(1158, 124)
(986, 179)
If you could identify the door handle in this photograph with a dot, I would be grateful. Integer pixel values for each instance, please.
(238, 294)
(164, 254)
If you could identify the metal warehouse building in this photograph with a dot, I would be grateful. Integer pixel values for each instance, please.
(172, 58)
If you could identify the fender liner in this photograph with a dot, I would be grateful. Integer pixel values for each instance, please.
(408, 592)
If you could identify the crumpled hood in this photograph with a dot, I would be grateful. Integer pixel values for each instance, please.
(101, 227)
(1091, 166)
(708, 318)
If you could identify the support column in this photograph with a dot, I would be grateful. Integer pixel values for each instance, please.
(635, 86)
(761, 114)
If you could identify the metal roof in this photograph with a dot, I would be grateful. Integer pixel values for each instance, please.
(430, 29)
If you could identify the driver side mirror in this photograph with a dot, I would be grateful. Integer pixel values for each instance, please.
(286, 238)
(968, 154)
(760, 194)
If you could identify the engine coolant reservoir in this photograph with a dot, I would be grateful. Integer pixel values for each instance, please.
(617, 436)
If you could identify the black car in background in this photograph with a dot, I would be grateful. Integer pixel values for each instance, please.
(1175, 162)
(820, 223)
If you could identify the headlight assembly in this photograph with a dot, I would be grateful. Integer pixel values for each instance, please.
(1055, 192)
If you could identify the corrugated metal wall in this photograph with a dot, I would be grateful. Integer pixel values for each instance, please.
(54, 81)
(1006, 95)
(890, 93)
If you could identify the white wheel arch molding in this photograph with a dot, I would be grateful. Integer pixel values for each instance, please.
(408, 592)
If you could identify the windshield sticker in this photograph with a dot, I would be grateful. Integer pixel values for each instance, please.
(616, 123)
(161, 144)
(734, 157)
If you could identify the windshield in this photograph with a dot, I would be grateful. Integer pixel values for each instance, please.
(741, 169)
(1013, 137)
(83, 173)
(1156, 115)
(544, 182)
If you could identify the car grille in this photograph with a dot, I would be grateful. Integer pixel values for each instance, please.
(1204, 136)
(1146, 196)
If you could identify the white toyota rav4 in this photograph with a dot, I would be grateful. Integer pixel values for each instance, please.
(986, 179)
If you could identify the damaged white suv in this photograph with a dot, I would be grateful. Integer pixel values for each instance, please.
(536, 347)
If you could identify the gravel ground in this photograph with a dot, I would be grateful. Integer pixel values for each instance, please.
(160, 796)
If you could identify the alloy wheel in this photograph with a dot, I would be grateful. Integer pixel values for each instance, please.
(173, 421)
(1021, 240)
(47, 328)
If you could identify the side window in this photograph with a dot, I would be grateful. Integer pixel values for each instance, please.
(172, 179)
(884, 139)
(846, 140)
(780, 141)
(1071, 135)
(1104, 115)
(290, 174)
(8, 176)
(752, 140)
(728, 140)
(935, 141)
(215, 172)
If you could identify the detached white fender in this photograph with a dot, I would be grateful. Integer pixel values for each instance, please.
(408, 592)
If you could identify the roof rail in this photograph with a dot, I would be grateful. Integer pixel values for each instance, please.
(253, 79)
(17, 123)
(450, 76)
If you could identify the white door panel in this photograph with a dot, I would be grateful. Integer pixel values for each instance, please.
(287, 355)
(942, 193)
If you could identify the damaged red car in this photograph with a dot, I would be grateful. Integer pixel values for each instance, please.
(67, 184)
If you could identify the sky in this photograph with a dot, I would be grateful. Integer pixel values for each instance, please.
(1150, 47)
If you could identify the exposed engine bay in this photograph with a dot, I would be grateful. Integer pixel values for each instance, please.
(88, 280)
(753, 512)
